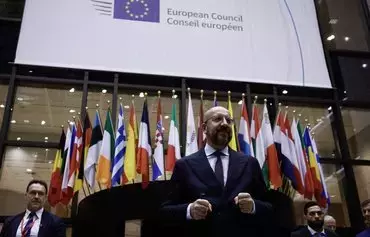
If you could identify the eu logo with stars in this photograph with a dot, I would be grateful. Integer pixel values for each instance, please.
(137, 10)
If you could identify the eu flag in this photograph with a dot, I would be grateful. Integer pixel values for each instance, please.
(137, 10)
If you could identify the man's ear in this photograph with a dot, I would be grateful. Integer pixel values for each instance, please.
(204, 127)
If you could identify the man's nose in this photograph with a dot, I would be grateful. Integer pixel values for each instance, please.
(36, 195)
(224, 121)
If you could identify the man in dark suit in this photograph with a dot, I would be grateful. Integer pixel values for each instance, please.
(218, 191)
(365, 205)
(35, 221)
(315, 223)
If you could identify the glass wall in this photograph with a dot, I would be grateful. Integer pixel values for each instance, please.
(343, 24)
(362, 174)
(319, 121)
(21, 165)
(39, 112)
(3, 94)
(357, 127)
(40, 109)
(334, 180)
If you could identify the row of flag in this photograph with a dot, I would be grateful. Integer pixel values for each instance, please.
(91, 153)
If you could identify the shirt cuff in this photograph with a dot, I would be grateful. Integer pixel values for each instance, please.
(254, 208)
(188, 216)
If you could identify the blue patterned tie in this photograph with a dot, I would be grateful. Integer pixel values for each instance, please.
(219, 171)
(27, 229)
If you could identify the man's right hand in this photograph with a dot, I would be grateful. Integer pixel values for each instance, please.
(199, 209)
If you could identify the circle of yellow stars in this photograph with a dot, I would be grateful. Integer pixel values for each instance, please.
(137, 16)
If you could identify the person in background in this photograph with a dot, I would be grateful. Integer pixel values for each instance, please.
(315, 223)
(34, 221)
(365, 205)
(330, 223)
(217, 191)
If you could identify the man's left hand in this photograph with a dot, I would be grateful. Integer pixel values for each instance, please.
(245, 203)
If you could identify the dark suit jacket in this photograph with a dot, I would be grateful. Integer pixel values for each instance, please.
(193, 178)
(304, 232)
(50, 226)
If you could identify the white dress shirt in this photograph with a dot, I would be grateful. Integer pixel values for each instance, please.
(313, 232)
(212, 159)
(36, 226)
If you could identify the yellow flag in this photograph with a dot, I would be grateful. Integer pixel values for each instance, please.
(131, 147)
(233, 141)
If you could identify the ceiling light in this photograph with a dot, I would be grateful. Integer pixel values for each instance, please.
(46, 138)
(72, 111)
(18, 138)
(364, 65)
(97, 105)
(285, 92)
(346, 38)
(293, 111)
(299, 115)
(71, 123)
(330, 37)
(2, 106)
(20, 99)
(329, 108)
(141, 95)
(30, 71)
(240, 102)
(72, 90)
(26, 121)
(126, 107)
(166, 117)
(43, 122)
(50, 162)
(174, 96)
(46, 149)
(333, 21)
(46, 141)
(120, 98)
(35, 155)
(104, 91)
(306, 120)
(28, 170)
(13, 121)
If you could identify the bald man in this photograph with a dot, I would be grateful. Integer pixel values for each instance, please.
(218, 191)
(330, 223)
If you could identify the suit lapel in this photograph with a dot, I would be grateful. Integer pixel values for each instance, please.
(306, 232)
(43, 224)
(236, 167)
(203, 170)
(17, 222)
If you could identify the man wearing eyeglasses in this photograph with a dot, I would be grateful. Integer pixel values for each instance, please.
(315, 223)
(218, 191)
(35, 221)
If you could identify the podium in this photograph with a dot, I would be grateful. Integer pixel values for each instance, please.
(104, 213)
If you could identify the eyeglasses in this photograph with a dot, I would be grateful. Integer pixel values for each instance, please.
(220, 118)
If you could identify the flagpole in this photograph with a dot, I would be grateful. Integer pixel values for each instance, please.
(97, 110)
(85, 153)
(164, 160)
(87, 185)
